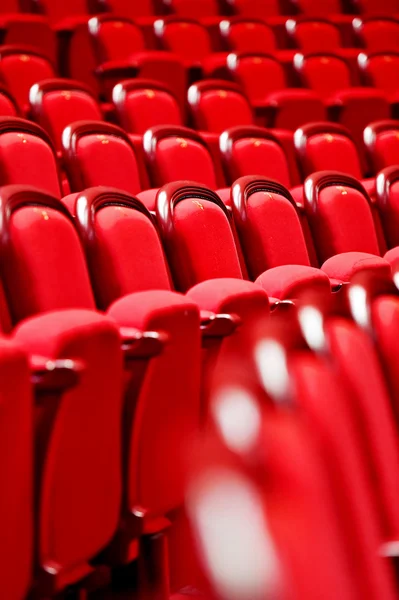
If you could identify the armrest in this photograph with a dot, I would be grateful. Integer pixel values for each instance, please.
(54, 376)
(113, 68)
(220, 325)
(141, 345)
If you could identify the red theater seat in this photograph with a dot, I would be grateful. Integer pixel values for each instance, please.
(141, 104)
(376, 7)
(115, 38)
(329, 147)
(142, 12)
(248, 35)
(387, 200)
(314, 8)
(329, 75)
(192, 9)
(343, 220)
(56, 103)
(97, 153)
(377, 34)
(382, 142)
(20, 68)
(59, 13)
(311, 35)
(264, 81)
(16, 471)
(8, 107)
(27, 156)
(381, 69)
(253, 9)
(178, 153)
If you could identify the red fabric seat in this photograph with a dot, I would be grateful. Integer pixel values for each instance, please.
(141, 104)
(8, 107)
(264, 81)
(377, 34)
(380, 70)
(388, 204)
(97, 153)
(254, 9)
(142, 12)
(59, 13)
(56, 103)
(334, 203)
(248, 35)
(311, 35)
(374, 7)
(313, 8)
(354, 107)
(382, 142)
(20, 68)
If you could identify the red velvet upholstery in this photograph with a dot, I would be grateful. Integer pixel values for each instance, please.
(343, 267)
(378, 34)
(327, 146)
(325, 73)
(192, 9)
(20, 68)
(175, 153)
(381, 70)
(388, 203)
(314, 35)
(27, 156)
(248, 35)
(313, 8)
(8, 108)
(374, 7)
(185, 37)
(264, 81)
(126, 8)
(249, 150)
(16, 468)
(57, 11)
(258, 9)
(141, 104)
(217, 105)
(100, 154)
(56, 103)
(340, 215)
(115, 38)
(382, 142)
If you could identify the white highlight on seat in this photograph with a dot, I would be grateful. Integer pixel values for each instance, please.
(359, 306)
(312, 327)
(271, 364)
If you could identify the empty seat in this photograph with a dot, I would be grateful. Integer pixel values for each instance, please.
(192, 9)
(20, 68)
(314, 8)
(200, 244)
(178, 153)
(380, 69)
(311, 35)
(248, 35)
(387, 200)
(191, 42)
(142, 12)
(264, 81)
(382, 142)
(16, 471)
(258, 9)
(376, 7)
(329, 75)
(60, 13)
(377, 34)
(343, 220)
(8, 108)
(97, 153)
(27, 156)
(56, 103)
(115, 38)
(141, 104)
(329, 147)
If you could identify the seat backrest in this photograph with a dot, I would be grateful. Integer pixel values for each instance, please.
(122, 245)
(58, 10)
(10, 6)
(382, 142)
(387, 200)
(126, 8)
(381, 70)
(197, 235)
(218, 105)
(97, 153)
(41, 252)
(56, 103)
(340, 215)
(176, 153)
(141, 104)
(249, 150)
(314, 35)
(27, 156)
(248, 35)
(327, 146)
(324, 73)
(192, 9)
(16, 471)
(378, 34)
(115, 38)
(258, 74)
(186, 38)
(268, 225)
(20, 68)
(254, 9)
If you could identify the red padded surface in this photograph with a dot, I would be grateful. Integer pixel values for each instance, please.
(179, 158)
